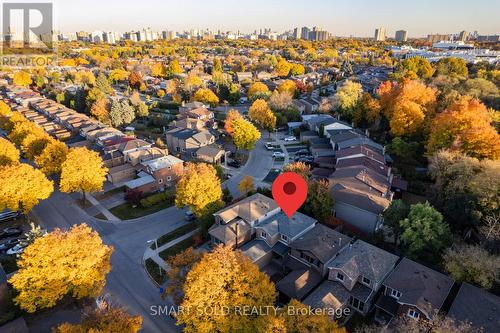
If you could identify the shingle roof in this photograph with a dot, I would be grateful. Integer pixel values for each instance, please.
(249, 209)
(281, 224)
(420, 286)
(162, 162)
(366, 260)
(299, 283)
(477, 306)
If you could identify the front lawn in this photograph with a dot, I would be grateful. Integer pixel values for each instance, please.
(175, 234)
(177, 248)
(127, 212)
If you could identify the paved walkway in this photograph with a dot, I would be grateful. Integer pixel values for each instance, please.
(101, 208)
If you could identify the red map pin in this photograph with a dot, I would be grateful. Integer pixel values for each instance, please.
(290, 192)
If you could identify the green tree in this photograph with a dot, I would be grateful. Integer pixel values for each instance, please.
(424, 233)
(393, 215)
(452, 66)
(102, 83)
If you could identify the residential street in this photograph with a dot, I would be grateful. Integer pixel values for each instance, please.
(127, 283)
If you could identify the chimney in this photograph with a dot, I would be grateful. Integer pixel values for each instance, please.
(340, 241)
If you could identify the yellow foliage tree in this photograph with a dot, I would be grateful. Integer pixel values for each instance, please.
(158, 70)
(21, 78)
(83, 170)
(52, 157)
(257, 88)
(283, 68)
(261, 114)
(206, 96)
(232, 115)
(9, 154)
(223, 280)
(198, 187)
(34, 144)
(22, 187)
(465, 127)
(100, 110)
(299, 320)
(299, 168)
(288, 86)
(73, 262)
(246, 185)
(22, 129)
(245, 134)
(192, 82)
(408, 105)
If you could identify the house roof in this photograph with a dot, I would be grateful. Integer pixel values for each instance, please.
(360, 199)
(249, 209)
(162, 162)
(361, 178)
(210, 151)
(361, 149)
(136, 183)
(281, 224)
(420, 286)
(364, 161)
(361, 258)
(150, 153)
(321, 241)
(477, 306)
(226, 232)
(255, 249)
(133, 144)
(299, 283)
(328, 295)
(204, 137)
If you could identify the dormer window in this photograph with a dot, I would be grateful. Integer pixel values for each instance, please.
(396, 294)
(263, 234)
(284, 238)
(413, 314)
(340, 277)
(366, 281)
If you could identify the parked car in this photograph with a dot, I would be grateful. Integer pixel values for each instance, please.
(278, 154)
(8, 215)
(270, 146)
(18, 249)
(189, 216)
(10, 232)
(303, 152)
(8, 244)
(308, 161)
(234, 164)
(290, 139)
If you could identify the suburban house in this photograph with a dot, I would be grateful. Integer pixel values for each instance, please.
(190, 106)
(188, 141)
(240, 219)
(211, 154)
(354, 278)
(478, 307)
(144, 155)
(413, 290)
(157, 174)
(244, 76)
(308, 260)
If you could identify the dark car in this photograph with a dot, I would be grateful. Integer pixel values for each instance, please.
(8, 244)
(8, 215)
(303, 152)
(234, 164)
(10, 232)
(308, 161)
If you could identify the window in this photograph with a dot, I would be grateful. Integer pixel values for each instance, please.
(307, 258)
(357, 304)
(366, 281)
(263, 234)
(396, 294)
(160, 181)
(169, 178)
(413, 314)
(340, 276)
(285, 238)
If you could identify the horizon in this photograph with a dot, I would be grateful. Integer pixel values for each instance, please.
(357, 19)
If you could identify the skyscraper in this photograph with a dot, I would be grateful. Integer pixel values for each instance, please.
(380, 34)
(304, 33)
(462, 36)
(401, 36)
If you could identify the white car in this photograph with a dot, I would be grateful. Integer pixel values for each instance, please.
(278, 154)
(18, 249)
(290, 139)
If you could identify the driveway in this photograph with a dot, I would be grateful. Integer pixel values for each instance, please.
(127, 283)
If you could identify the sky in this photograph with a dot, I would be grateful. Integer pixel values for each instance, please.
(340, 17)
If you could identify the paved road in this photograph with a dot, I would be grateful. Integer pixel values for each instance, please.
(259, 163)
(127, 283)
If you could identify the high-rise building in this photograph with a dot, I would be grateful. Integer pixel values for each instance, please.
(317, 34)
(296, 33)
(380, 34)
(109, 37)
(304, 33)
(436, 38)
(82, 36)
(462, 36)
(401, 36)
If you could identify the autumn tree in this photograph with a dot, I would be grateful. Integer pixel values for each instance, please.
(192, 82)
(225, 279)
(298, 319)
(257, 90)
(117, 75)
(424, 232)
(135, 80)
(246, 185)
(280, 101)
(414, 68)
(288, 86)
(473, 264)
(261, 114)
(368, 111)
(232, 115)
(452, 66)
(299, 168)
(52, 157)
(245, 134)
(347, 98)
(465, 127)
(22, 129)
(283, 68)
(83, 170)
(9, 154)
(179, 266)
(102, 83)
(22, 187)
(319, 202)
(206, 96)
(198, 187)
(297, 69)
(100, 110)
(174, 68)
(104, 318)
(21, 78)
(407, 105)
(34, 144)
(73, 262)
(121, 113)
(158, 70)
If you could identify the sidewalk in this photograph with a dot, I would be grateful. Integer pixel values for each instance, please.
(101, 208)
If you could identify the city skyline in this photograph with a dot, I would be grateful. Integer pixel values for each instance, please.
(358, 18)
